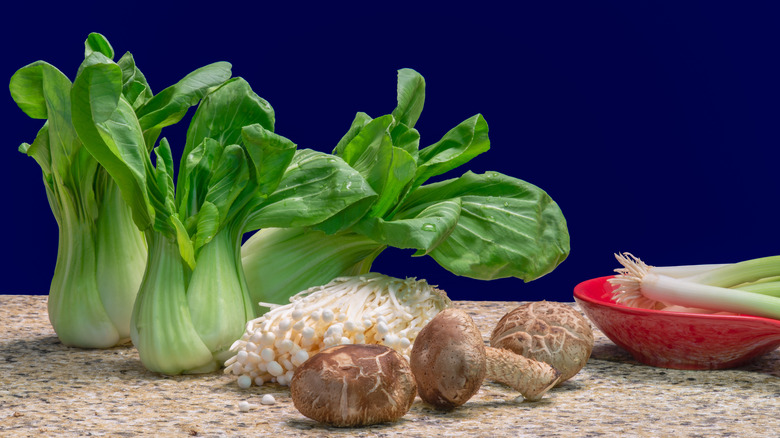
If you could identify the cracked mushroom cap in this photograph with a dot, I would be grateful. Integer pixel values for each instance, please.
(547, 331)
(354, 385)
(448, 359)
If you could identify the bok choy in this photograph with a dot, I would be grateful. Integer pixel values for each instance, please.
(481, 226)
(234, 173)
(101, 254)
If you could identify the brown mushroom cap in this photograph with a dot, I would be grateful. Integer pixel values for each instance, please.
(448, 359)
(354, 385)
(547, 331)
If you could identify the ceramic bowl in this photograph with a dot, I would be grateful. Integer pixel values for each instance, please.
(677, 340)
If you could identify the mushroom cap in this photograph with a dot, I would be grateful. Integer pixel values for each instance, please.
(354, 385)
(448, 359)
(547, 331)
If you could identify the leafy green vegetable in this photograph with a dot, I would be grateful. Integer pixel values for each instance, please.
(235, 174)
(101, 254)
(481, 226)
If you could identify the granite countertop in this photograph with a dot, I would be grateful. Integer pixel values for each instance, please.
(48, 389)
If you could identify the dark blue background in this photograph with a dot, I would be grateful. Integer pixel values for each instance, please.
(653, 125)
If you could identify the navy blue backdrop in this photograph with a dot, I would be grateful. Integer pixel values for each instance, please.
(654, 126)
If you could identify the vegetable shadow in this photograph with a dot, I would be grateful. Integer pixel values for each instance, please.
(231, 389)
(308, 424)
(422, 415)
(609, 353)
(41, 357)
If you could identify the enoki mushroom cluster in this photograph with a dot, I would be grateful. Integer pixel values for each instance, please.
(367, 309)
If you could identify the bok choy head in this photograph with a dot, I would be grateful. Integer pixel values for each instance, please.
(483, 226)
(191, 303)
(101, 254)
(234, 173)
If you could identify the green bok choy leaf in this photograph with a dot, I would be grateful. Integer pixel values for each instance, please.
(101, 254)
(484, 226)
(234, 173)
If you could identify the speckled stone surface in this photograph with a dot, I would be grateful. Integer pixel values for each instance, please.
(47, 389)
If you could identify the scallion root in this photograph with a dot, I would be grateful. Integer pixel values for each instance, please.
(629, 283)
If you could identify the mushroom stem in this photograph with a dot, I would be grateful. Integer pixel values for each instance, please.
(529, 377)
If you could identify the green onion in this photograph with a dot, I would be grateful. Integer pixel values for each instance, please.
(749, 287)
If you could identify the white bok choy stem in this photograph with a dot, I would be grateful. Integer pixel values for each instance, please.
(640, 285)
(306, 257)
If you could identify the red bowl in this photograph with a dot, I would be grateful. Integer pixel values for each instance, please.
(687, 341)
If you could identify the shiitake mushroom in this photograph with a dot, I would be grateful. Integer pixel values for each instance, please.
(546, 331)
(354, 385)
